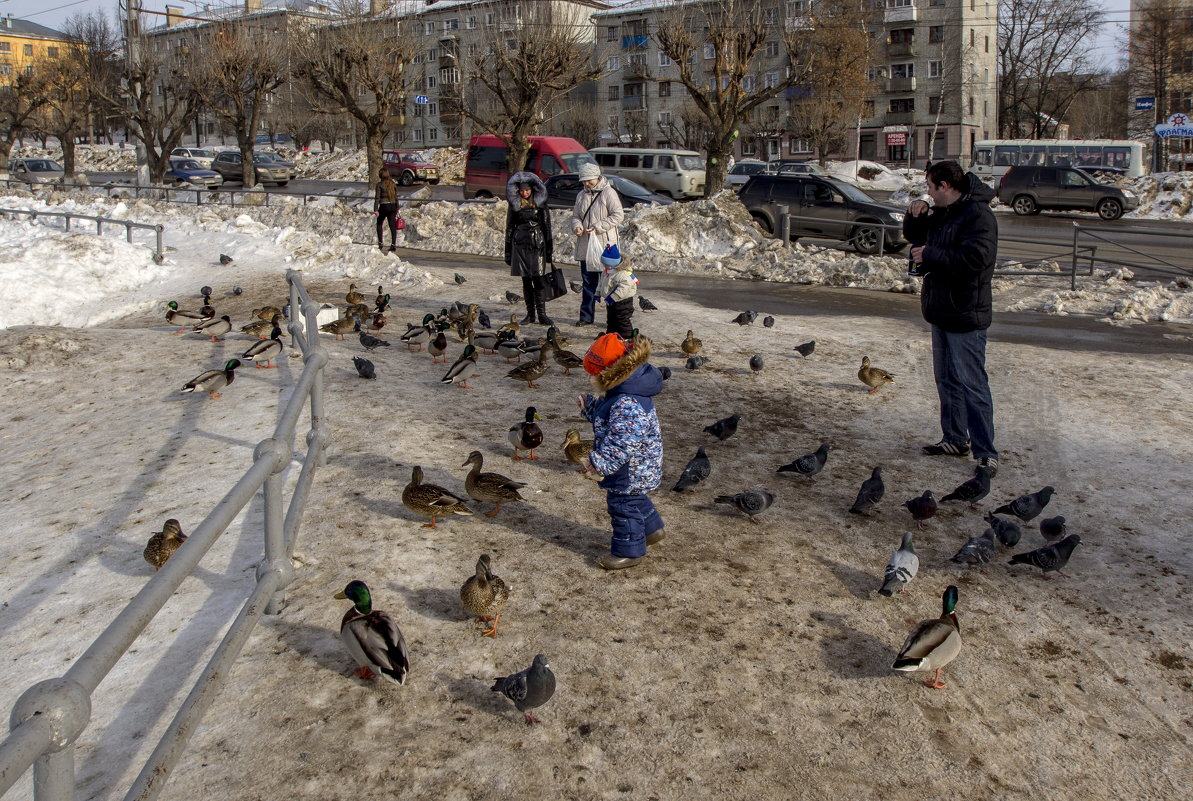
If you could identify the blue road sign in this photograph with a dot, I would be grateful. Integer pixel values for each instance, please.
(425, 99)
(1145, 103)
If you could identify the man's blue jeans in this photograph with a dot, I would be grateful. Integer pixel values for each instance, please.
(966, 408)
(591, 279)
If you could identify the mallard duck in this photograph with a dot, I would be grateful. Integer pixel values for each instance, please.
(492, 487)
(356, 310)
(163, 544)
(531, 370)
(376, 321)
(430, 500)
(565, 358)
(484, 595)
(691, 345)
(508, 345)
(438, 347)
(353, 296)
(576, 450)
(372, 637)
(266, 312)
(934, 643)
(512, 326)
(213, 381)
(215, 328)
(177, 316)
(381, 302)
(526, 436)
(344, 325)
(463, 369)
(265, 351)
(486, 341)
(258, 328)
(873, 377)
(553, 335)
(419, 334)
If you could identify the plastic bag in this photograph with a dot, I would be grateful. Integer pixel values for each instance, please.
(592, 261)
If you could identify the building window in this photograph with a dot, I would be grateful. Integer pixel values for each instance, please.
(935, 34)
(770, 16)
(936, 3)
(971, 104)
(748, 147)
(770, 80)
(898, 3)
(434, 134)
(971, 38)
(417, 135)
(1184, 102)
(428, 28)
(451, 25)
(612, 63)
(52, 52)
(664, 118)
(29, 70)
(664, 59)
(902, 105)
(935, 68)
(904, 35)
(611, 33)
(449, 75)
(747, 83)
(430, 81)
(419, 108)
(1186, 61)
(772, 113)
(432, 54)
(5, 69)
(27, 50)
(664, 88)
(5, 47)
(710, 51)
(772, 49)
(432, 110)
(470, 23)
(614, 92)
(934, 105)
(490, 18)
(473, 50)
(987, 43)
(903, 70)
(799, 145)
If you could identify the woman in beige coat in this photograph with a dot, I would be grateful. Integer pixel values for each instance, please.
(597, 214)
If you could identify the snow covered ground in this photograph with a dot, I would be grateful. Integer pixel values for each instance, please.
(736, 661)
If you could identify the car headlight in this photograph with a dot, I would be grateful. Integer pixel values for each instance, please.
(896, 216)
(1128, 193)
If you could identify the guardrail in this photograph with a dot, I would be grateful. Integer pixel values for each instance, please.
(1154, 263)
(129, 225)
(49, 717)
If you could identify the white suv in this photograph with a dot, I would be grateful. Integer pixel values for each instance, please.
(199, 154)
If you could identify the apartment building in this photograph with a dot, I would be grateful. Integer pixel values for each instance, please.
(25, 45)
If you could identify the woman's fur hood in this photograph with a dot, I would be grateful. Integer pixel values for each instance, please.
(538, 194)
(624, 367)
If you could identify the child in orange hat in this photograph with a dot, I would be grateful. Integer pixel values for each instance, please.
(627, 443)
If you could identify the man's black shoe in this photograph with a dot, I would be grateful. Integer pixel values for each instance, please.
(943, 448)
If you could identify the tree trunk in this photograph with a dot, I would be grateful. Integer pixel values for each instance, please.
(248, 174)
(68, 155)
(716, 166)
(374, 140)
(5, 150)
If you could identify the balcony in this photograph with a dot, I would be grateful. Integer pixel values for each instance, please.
(900, 85)
(798, 23)
(633, 42)
(636, 70)
(899, 49)
(899, 118)
(632, 103)
(899, 14)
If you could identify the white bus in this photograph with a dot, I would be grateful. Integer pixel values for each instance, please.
(993, 157)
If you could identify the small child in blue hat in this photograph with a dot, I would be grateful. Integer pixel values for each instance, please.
(617, 289)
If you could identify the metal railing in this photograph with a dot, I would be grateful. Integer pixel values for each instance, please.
(1152, 263)
(129, 225)
(48, 718)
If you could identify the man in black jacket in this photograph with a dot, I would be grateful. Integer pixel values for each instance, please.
(954, 244)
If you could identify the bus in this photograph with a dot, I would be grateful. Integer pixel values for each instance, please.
(993, 157)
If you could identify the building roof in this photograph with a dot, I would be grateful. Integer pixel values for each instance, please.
(10, 25)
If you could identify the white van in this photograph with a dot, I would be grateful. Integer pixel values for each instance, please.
(675, 173)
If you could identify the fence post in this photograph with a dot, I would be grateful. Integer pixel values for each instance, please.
(128, 233)
(784, 224)
(67, 706)
(275, 539)
(99, 226)
(1073, 270)
(67, 216)
(158, 229)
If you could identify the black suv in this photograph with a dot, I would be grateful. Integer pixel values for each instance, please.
(832, 209)
(1028, 190)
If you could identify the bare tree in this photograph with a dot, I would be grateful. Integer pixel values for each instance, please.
(20, 99)
(1102, 112)
(1044, 61)
(357, 66)
(689, 131)
(65, 112)
(580, 121)
(524, 73)
(96, 43)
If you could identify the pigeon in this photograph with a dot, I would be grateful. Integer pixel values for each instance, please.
(901, 568)
(696, 362)
(206, 293)
(224, 259)
(1007, 531)
(645, 305)
(752, 502)
(973, 490)
(696, 470)
(768, 321)
(809, 464)
(1027, 507)
(870, 494)
(459, 279)
(1052, 528)
(364, 367)
(237, 291)
(576, 286)
(665, 372)
(1050, 558)
(370, 342)
(977, 550)
(513, 297)
(529, 688)
(483, 319)
(724, 429)
(921, 508)
(805, 349)
(745, 318)
(756, 363)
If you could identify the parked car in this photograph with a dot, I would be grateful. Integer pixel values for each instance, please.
(36, 171)
(1028, 190)
(741, 172)
(408, 166)
(674, 173)
(199, 154)
(793, 167)
(270, 167)
(278, 139)
(831, 209)
(487, 168)
(188, 171)
(562, 191)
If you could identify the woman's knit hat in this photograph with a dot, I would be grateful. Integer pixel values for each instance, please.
(588, 171)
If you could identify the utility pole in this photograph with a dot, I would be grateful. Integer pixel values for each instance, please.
(132, 60)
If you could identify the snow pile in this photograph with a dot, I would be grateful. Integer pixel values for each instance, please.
(868, 175)
(351, 165)
(97, 158)
(1163, 196)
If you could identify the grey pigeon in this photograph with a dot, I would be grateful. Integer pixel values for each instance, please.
(364, 367)
(1050, 558)
(483, 319)
(512, 297)
(698, 469)
(921, 508)
(756, 363)
(745, 318)
(870, 494)
(237, 291)
(206, 293)
(696, 362)
(973, 490)
(646, 305)
(225, 259)
(576, 286)
(1007, 531)
(977, 550)
(369, 341)
(752, 502)
(665, 372)
(1052, 528)
(529, 688)
(901, 568)
(768, 321)
(1027, 507)
(805, 349)
(459, 279)
(809, 464)
(724, 429)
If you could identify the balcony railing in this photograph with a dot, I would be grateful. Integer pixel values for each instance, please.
(900, 85)
(901, 49)
(636, 70)
(900, 14)
(798, 23)
(633, 42)
(632, 103)
(899, 118)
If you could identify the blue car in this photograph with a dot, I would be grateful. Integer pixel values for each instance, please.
(188, 172)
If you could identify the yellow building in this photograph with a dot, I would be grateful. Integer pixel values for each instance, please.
(26, 45)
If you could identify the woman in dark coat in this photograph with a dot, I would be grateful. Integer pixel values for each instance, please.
(528, 244)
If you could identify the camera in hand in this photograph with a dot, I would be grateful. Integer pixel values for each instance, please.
(915, 269)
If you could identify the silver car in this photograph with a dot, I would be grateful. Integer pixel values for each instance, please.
(741, 172)
(36, 171)
(200, 154)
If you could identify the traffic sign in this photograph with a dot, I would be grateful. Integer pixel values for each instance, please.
(422, 99)
(1145, 103)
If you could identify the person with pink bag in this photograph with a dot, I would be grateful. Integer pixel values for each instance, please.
(596, 216)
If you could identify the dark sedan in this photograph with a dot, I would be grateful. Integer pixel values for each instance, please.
(562, 191)
(188, 171)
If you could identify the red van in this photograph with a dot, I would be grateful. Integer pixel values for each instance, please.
(487, 170)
